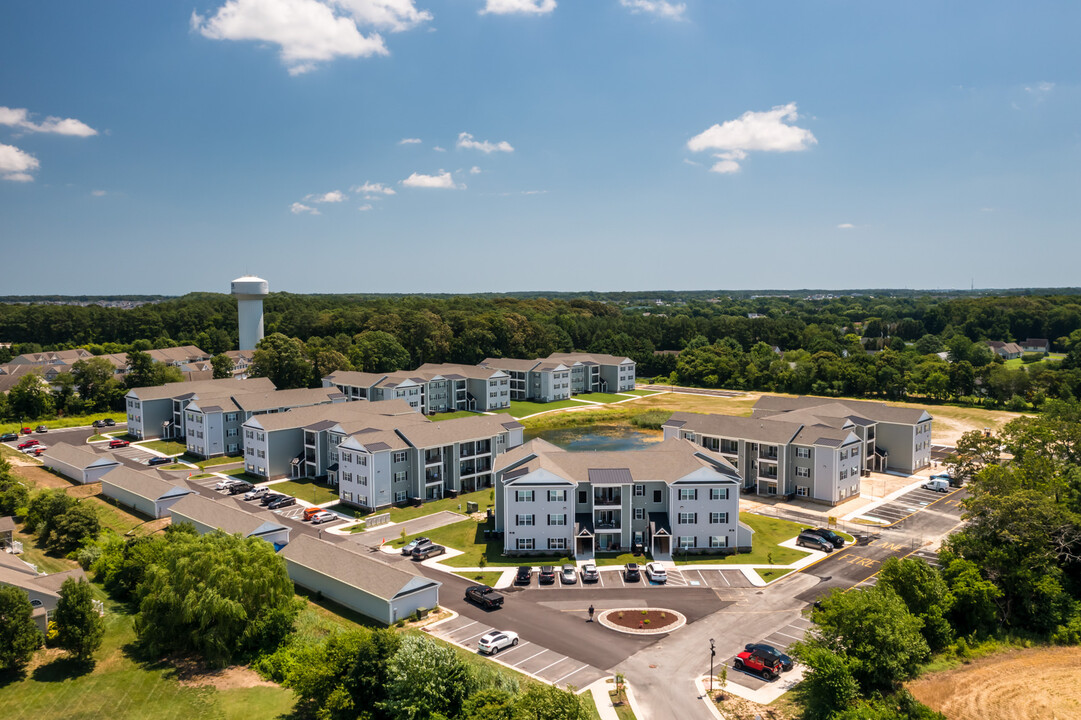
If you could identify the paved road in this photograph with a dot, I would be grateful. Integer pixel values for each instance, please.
(692, 391)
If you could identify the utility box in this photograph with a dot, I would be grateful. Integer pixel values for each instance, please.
(470, 507)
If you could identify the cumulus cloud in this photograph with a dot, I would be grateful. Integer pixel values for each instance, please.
(299, 208)
(518, 7)
(768, 131)
(98, 193)
(307, 31)
(392, 15)
(1040, 88)
(439, 149)
(370, 188)
(474, 170)
(443, 180)
(365, 207)
(334, 196)
(20, 118)
(466, 141)
(409, 141)
(661, 8)
(845, 226)
(16, 165)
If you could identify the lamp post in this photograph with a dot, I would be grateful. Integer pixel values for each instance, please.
(712, 654)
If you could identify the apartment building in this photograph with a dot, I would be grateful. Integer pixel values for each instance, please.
(779, 457)
(158, 411)
(53, 357)
(426, 460)
(213, 420)
(672, 496)
(431, 388)
(894, 438)
(536, 380)
(597, 372)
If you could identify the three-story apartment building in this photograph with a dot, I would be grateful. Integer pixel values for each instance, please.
(158, 411)
(431, 388)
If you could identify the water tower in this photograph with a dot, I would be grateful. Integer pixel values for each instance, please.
(249, 292)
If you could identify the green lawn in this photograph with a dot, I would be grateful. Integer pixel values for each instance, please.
(640, 393)
(622, 559)
(122, 688)
(401, 514)
(484, 578)
(64, 422)
(768, 532)
(348, 510)
(166, 447)
(623, 711)
(452, 415)
(232, 472)
(220, 460)
(521, 408)
(468, 536)
(771, 575)
(307, 490)
(177, 466)
(601, 397)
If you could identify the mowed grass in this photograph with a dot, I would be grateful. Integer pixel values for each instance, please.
(122, 688)
(430, 507)
(772, 574)
(165, 447)
(602, 397)
(452, 415)
(622, 559)
(484, 578)
(521, 408)
(468, 536)
(768, 532)
(307, 490)
(639, 393)
(64, 422)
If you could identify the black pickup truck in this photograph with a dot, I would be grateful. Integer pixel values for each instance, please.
(484, 596)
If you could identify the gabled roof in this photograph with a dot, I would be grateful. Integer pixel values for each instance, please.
(327, 415)
(277, 399)
(586, 358)
(773, 406)
(448, 432)
(144, 485)
(350, 566)
(177, 390)
(78, 457)
(7, 524)
(774, 432)
(226, 516)
(354, 378)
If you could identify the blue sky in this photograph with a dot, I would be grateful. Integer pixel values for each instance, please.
(164, 147)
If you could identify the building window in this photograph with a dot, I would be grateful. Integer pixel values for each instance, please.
(230, 417)
(801, 491)
(688, 493)
(803, 472)
(855, 452)
(400, 477)
(524, 544)
(639, 513)
(524, 495)
(582, 497)
(657, 496)
(688, 518)
(557, 496)
(639, 490)
(399, 457)
(347, 457)
(718, 493)
(718, 518)
(231, 432)
(557, 543)
(557, 519)
(523, 519)
(718, 541)
(802, 452)
(362, 460)
(686, 542)
(400, 496)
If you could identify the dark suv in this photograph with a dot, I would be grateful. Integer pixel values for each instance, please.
(815, 542)
(836, 540)
(547, 575)
(523, 576)
(426, 551)
(786, 662)
(282, 501)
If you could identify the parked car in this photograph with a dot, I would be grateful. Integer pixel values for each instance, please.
(256, 493)
(426, 551)
(282, 501)
(547, 575)
(810, 540)
(484, 596)
(765, 664)
(27, 443)
(836, 540)
(8, 437)
(109, 422)
(241, 487)
(786, 662)
(324, 517)
(36, 451)
(226, 483)
(414, 544)
(589, 573)
(118, 443)
(631, 573)
(492, 642)
(937, 484)
(157, 460)
(41, 429)
(524, 575)
(310, 512)
(656, 573)
(569, 574)
(99, 423)
(26, 431)
(270, 497)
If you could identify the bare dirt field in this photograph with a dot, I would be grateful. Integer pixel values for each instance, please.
(1037, 683)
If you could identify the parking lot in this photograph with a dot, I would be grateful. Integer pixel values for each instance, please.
(780, 639)
(676, 578)
(526, 657)
(911, 502)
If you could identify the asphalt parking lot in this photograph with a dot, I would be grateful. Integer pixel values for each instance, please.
(910, 503)
(527, 656)
(780, 638)
(613, 579)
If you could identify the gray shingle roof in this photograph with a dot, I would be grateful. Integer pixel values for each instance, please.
(142, 484)
(79, 457)
(176, 390)
(879, 412)
(774, 432)
(341, 562)
(225, 516)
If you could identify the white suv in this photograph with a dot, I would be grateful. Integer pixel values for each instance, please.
(656, 573)
(494, 641)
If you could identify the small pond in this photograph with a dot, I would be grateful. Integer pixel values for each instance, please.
(598, 437)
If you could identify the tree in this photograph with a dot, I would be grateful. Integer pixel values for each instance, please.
(79, 627)
(547, 702)
(378, 352)
(281, 359)
(30, 398)
(426, 678)
(490, 704)
(93, 378)
(975, 600)
(19, 635)
(974, 452)
(142, 370)
(69, 529)
(828, 685)
(924, 593)
(223, 366)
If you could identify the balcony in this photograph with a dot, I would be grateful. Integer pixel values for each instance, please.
(768, 472)
(432, 476)
(433, 457)
(606, 520)
(607, 497)
(768, 453)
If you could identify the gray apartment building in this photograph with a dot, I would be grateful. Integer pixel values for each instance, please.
(672, 496)
(431, 388)
(597, 372)
(894, 438)
(158, 411)
(536, 380)
(779, 457)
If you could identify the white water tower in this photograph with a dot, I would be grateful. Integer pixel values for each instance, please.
(249, 292)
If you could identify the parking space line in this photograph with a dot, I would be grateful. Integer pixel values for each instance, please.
(569, 674)
(474, 637)
(512, 648)
(721, 573)
(521, 662)
(463, 627)
(794, 637)
(561, 659)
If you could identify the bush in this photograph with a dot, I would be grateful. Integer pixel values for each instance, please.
(651, 420)
(80, 629)
(19, 635)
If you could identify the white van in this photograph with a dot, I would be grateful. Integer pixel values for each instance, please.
(937, 484)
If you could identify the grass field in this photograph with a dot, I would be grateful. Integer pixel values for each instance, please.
(165, 447)
(768, 532)
(452, 415)
(639, 393)
(771, 575)
(468, 536)
(231, 472)
(64, 422)
(622, 559)
(602, 397)
(484, 578)
(521, 408)
(211, 462)
(307, 490)
(623, 710)
(401, 514)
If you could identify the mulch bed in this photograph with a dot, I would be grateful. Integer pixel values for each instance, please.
(632, 618)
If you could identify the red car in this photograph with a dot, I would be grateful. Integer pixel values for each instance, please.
(118, 443)
(761, 663)
(27, 443)
(26, 431)
(37, 451)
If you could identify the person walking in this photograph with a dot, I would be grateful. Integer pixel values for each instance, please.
(590, 613)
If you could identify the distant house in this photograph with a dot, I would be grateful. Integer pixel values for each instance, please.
(209, 515)
(1008, 351)
(1036, 345)
(340, 572)
(7, 531)
(79, 464)
(142, 491)
(43, 590)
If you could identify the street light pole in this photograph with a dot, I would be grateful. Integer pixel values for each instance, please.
(712, 654)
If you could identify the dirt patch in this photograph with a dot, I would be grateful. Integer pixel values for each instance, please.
(192, 674)
(734, 707)
(37, 476)
(643, 619)
(1018, 685)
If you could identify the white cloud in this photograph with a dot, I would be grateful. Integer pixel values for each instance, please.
(661, 8)
(392, 15)
(1041, 88)
(518, 7)
(688, 161)
(439, 149)
(442, 180)
(308, 31)
(767, 131)
(20, 118)
(16, 165)
(987, 209)
(365, 208)
(98, 193)
(370, 187)
(474, 170)
(465, 140)
(845, 226)
(334, 196)
(409, 141)
(298, 208)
